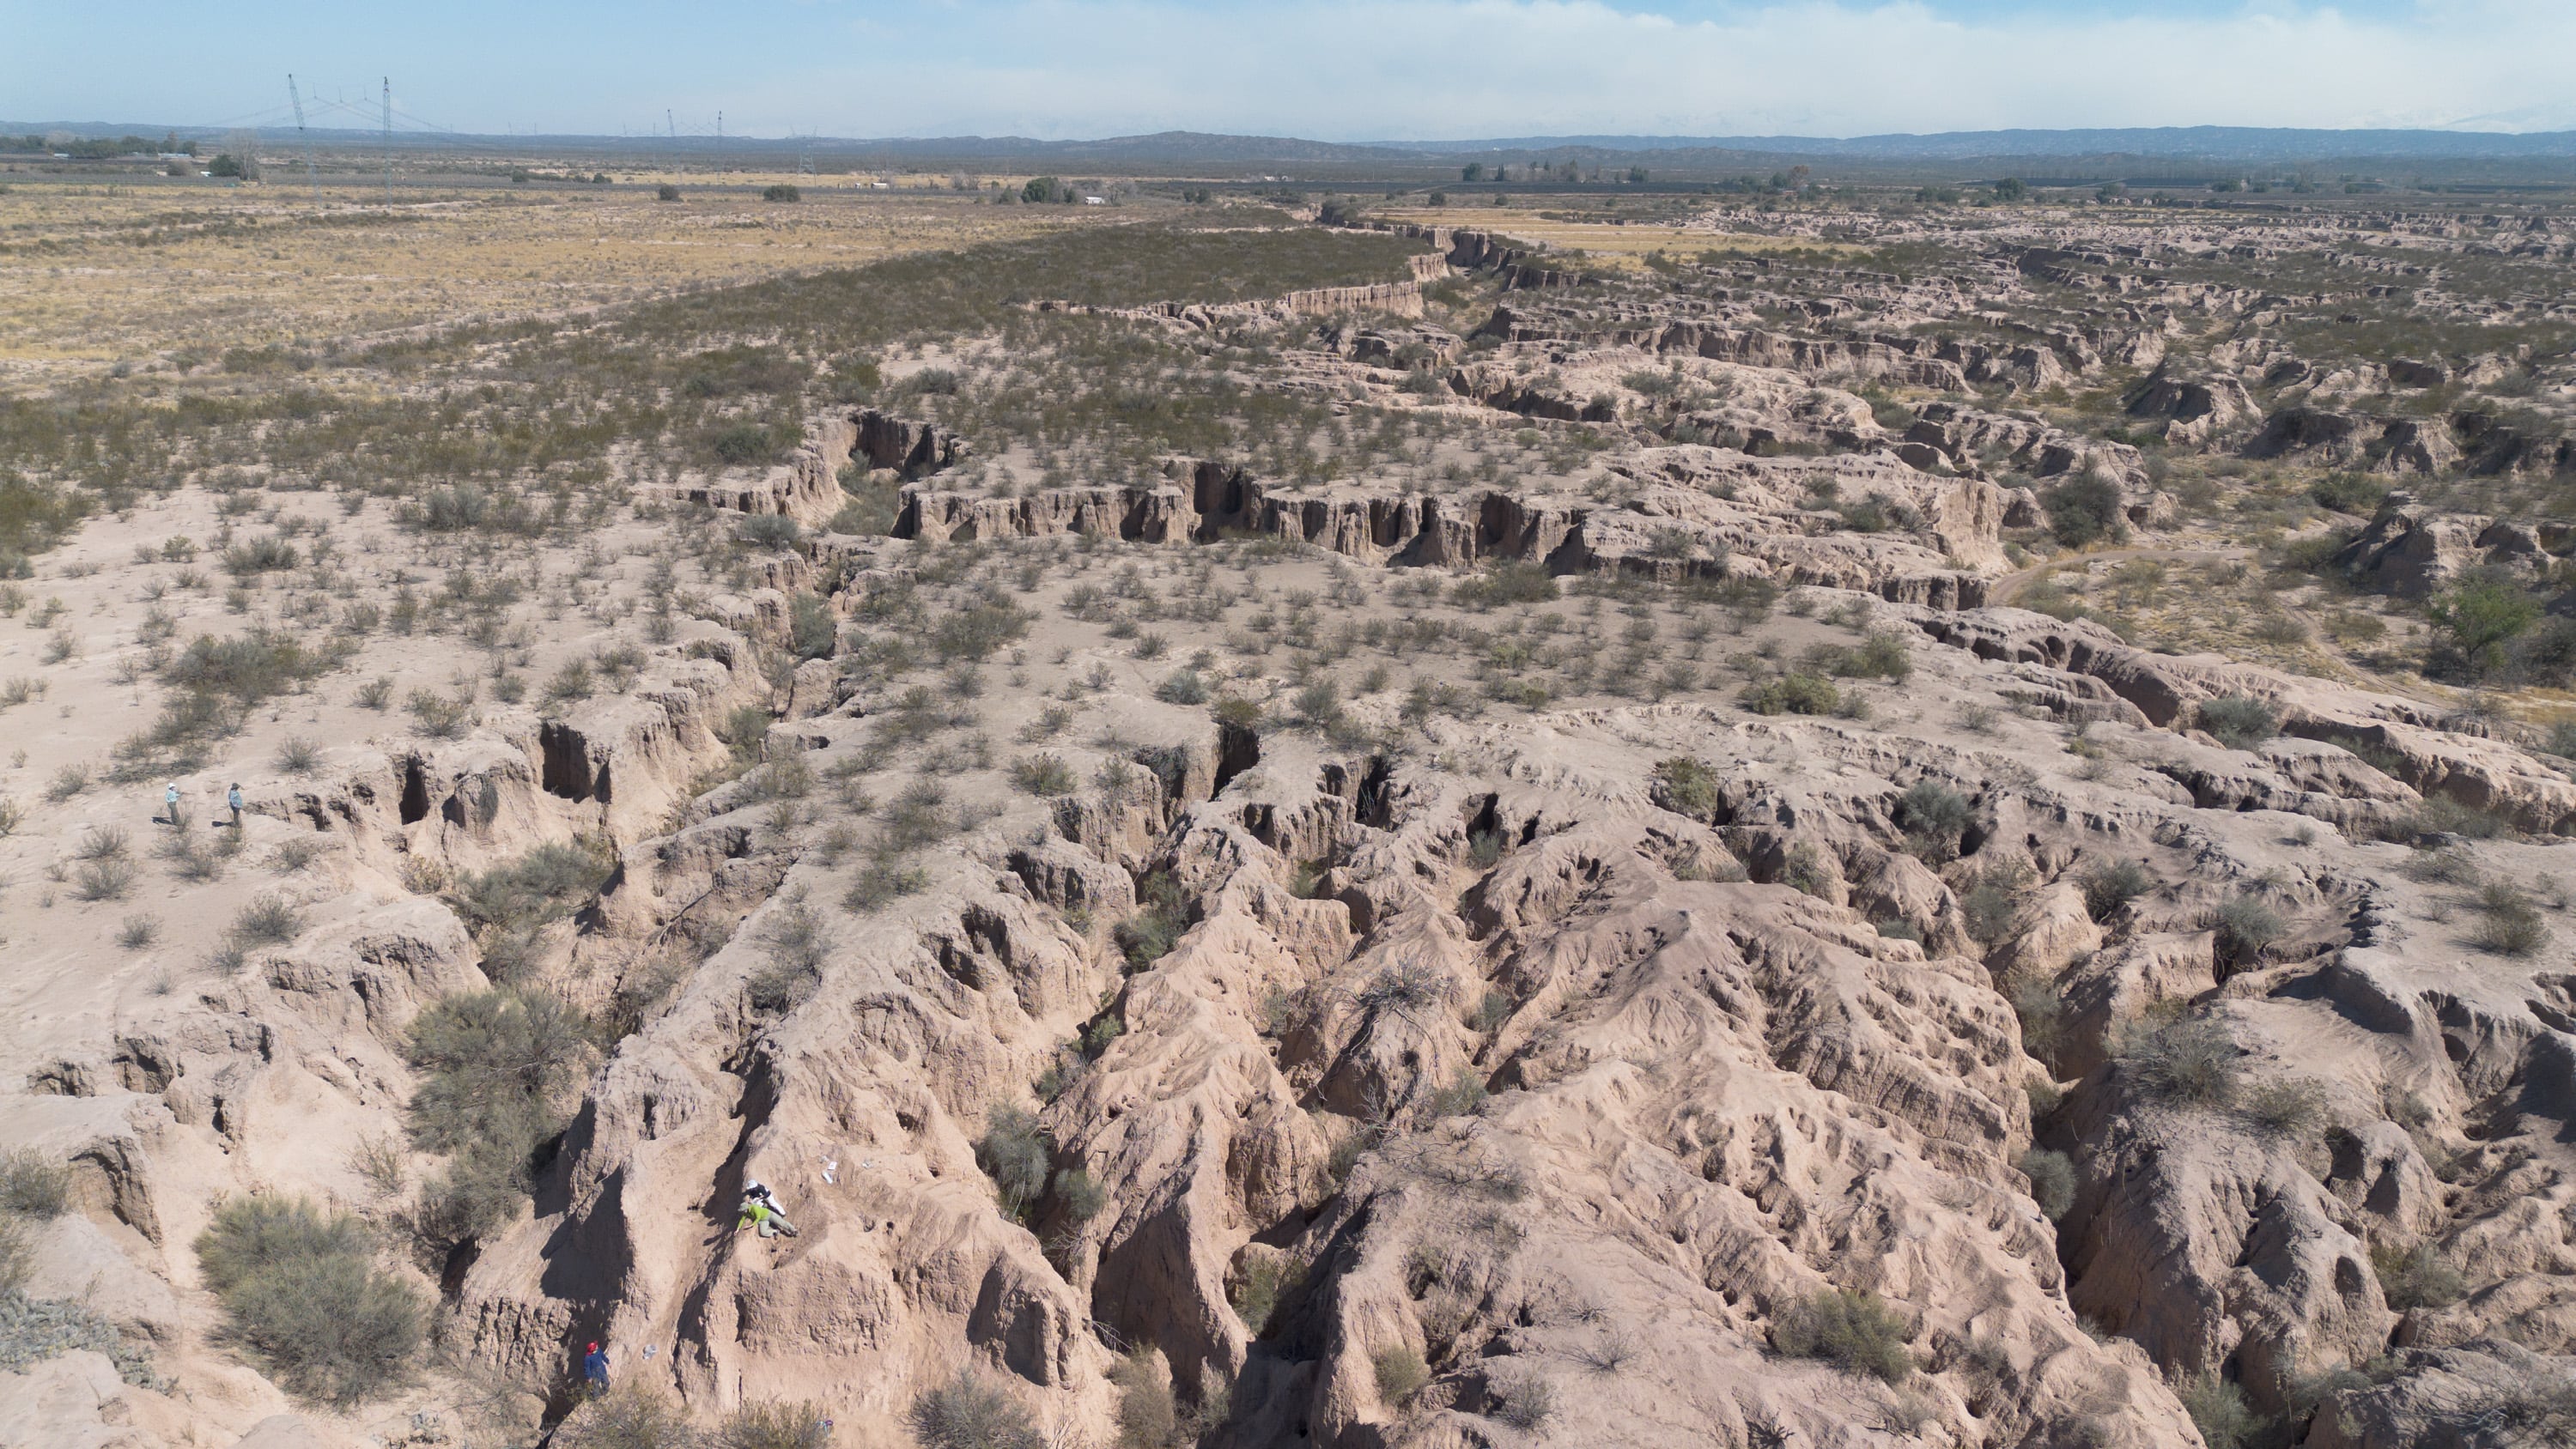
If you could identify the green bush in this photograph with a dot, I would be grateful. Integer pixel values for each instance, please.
(1992, 903)
(1936, 816)
(2508, 923)
(773, 1424)
(2219, 1411)
(269, 920)
(2475, 621)
(781, 191)
(2246, 928)
(1688, 787)
(813, 631)
(972, 1412)
(1400, 1372)
(744, 443)
(34, 1185)
(2416, 1277)
(2348, 493)
(1013, 1152)
(1267, 1282)
(1147, 1417)
(1855, 1332)
(2113, 884)
(2052, 1180)
(2239, 723)
(880, 882)
(1043, 774)
(299, 1289)
(1505, 583)
(494, 1066)
(2085, 510)
(635, 1416)
(2287, 1109)
(2190, 1063)
(1793, 694)
(547, 884)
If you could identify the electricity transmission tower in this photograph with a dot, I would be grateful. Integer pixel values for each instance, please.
(389, 140)
(312, 172)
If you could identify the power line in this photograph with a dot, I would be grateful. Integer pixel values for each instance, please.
(312, 170)
(389, 140)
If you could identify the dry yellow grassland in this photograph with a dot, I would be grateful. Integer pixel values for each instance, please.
(91, 275)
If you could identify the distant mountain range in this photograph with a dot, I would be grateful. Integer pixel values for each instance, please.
(2229, 144)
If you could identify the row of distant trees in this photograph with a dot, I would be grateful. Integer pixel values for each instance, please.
(97, 148)
(1544, 171)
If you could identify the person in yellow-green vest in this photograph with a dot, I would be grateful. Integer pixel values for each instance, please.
(760, 1212)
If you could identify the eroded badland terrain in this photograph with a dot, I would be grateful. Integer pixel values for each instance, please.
(1874, 822)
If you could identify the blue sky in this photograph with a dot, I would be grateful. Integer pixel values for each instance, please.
(1330, 69)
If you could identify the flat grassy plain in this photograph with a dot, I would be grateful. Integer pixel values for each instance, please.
(93, 275)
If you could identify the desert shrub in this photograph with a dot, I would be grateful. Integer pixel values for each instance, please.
(1992, 903)
(771, 531)
(880, 882)
(258, 556)
(2476, 620)
(1855, 1332)
(2052, 1180)
(2239, 723)
(1688, 787)
(1400, 1372)
(1160, 920)
(300, 1290)
(1527, 1401)
(269, 920)
(2190, 1063)
(744, 443)
(974, 633)
(1013, 1152)
(547, 884)
(2085, 510)
(2219, 1411)
(1407, 989)
(2508, 923)
(2348, 493)
(812, 629)
(1793, 694)
(1506, 583)
(1182, 686)
(2246, 928)
(34, 1185)
(2113, 884)
(1080, 1194)
(493, 1065)
(634, 1416)
(972, 1412)
(1267, 1282)
(17, 1264)
(2291, 1109)
(1464, 1094)
(1935, 816)
(781, 191)
(103, 880)
(1043, 774)
(2416, 1277)
(1147, 1417)
(772, 1424)
(666, 192)
(796, 944)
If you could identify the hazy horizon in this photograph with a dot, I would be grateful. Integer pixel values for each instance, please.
(1327, 70)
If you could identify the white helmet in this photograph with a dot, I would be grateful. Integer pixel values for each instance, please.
(755, 1188)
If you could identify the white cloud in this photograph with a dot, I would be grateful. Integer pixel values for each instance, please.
(1341, 69)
